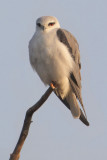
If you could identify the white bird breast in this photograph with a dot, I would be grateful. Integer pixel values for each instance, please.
(51, 59)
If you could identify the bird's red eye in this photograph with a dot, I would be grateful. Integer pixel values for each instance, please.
(51, 24)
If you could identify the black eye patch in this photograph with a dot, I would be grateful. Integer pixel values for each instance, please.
(51, 24)
(38, 24)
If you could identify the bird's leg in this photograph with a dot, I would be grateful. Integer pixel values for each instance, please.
(52, 84)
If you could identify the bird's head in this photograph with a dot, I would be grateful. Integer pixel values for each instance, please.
(47, 23)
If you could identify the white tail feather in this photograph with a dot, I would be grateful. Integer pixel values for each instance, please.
(74, 107)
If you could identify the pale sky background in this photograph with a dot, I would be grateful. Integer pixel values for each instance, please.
(54, 134)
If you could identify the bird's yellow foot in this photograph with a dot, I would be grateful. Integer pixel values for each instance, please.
(52, 86)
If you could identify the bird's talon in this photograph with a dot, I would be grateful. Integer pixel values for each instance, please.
(52, 86)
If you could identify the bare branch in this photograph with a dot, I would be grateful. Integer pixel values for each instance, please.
(16, 153)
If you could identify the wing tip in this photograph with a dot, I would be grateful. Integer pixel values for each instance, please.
(83, 119)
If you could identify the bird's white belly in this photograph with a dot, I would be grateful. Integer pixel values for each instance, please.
(50, 70)
(52, 62)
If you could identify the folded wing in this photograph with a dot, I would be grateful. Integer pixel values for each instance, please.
(70, 101)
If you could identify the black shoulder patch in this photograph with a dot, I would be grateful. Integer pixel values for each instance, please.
(73, 78)
(63, 39)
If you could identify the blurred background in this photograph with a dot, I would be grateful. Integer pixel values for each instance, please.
(54, 134)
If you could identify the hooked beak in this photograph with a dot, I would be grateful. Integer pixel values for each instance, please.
(43, 28)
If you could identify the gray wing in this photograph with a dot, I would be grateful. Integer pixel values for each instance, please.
(69, 40)
(71, 43)
(75, 77)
